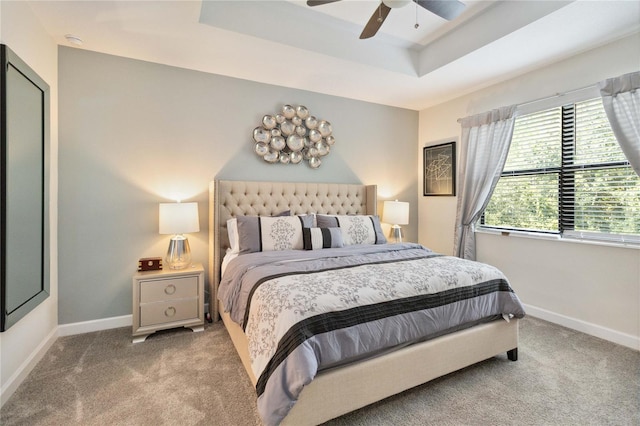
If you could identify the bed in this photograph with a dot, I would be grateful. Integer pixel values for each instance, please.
(338, 388)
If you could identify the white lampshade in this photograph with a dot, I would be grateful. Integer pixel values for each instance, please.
(179, 218)
(396, 212)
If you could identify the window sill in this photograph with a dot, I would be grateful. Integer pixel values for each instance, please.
(554, 237)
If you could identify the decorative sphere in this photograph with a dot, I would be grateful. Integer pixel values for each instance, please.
(324, 127)
(269, 122)
(275, 132)
(323, 148)
(278, 143)
(330, 140)
(272, 157)
(314, 135)
(261, 149)
(296, 120)
(287, 128)
(261, 135)
(302, 112)
(314, 162)
(288, 111)
(296, 157)
(284, 158)
(280, 118)
(311, 122)
(295, 143)
(301, 130)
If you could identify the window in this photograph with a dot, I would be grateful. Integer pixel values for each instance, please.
(566, 174)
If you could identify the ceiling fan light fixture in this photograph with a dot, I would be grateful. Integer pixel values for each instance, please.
(446, 9)
(395, 4)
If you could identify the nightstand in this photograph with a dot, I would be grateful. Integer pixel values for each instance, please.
(167, 298)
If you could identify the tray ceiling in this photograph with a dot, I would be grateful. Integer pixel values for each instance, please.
(290, 44)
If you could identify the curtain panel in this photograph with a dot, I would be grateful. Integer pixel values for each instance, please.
(483, 152)
(621, 100)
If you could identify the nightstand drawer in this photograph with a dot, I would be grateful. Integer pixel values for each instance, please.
(169, 311)
(168, 289)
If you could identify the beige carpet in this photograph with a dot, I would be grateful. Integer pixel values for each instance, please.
(182, 378)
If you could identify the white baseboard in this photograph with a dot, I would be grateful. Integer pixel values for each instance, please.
(27, 366)
(599, 331)
(100, 324)
(95, 325)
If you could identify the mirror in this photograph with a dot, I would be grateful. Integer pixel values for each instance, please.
(24, 184)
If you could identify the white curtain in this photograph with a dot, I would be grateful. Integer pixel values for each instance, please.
(621, 100)
(484, 147)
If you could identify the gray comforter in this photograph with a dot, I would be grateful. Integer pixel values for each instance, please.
(306, 311)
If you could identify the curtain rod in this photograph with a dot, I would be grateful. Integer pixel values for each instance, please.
(556, 95)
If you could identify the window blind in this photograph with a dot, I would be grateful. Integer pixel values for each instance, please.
(565, 173)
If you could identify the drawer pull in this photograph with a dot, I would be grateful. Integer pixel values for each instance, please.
(170, 289)
(170, 311)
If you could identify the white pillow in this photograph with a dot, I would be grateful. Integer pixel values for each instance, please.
(281, 233)
(232, 231)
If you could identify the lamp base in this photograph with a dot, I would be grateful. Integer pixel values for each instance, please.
(179, 252)
(396, 233)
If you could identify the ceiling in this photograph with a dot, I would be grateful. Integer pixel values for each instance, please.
(289, 44)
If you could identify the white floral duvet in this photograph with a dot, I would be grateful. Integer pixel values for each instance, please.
(307, 311)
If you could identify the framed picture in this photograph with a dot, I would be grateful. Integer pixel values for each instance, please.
(440, 169)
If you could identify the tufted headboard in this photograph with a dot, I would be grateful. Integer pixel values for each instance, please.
(229, 199)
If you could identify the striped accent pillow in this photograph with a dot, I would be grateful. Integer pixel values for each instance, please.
(319, 238)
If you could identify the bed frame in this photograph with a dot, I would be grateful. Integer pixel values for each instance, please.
(344, 389)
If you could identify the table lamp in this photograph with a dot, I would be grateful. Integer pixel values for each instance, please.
(397, 213)
(179, 219)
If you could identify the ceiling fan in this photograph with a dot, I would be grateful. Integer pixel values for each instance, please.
(447, 9)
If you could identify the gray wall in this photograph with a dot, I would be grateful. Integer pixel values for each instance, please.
(133, 134)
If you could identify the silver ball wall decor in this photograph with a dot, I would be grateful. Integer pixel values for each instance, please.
(293, 135)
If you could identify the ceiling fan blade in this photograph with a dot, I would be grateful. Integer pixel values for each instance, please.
(376, 21)
(447, 9)
(319, 2)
